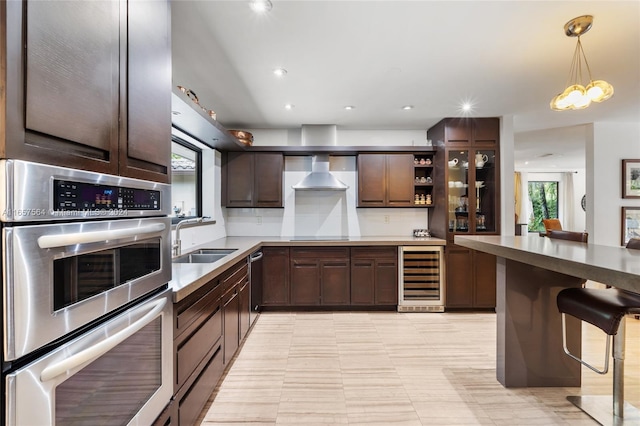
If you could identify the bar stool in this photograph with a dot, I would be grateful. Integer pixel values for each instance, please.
(605, 309)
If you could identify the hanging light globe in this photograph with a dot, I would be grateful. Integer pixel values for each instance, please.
(599, 90)
(560, 103)
(574, 93)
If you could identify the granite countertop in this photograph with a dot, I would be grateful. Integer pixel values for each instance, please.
(615, 266)
(188, 277)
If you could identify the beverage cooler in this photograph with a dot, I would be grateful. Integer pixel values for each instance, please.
(421, 279)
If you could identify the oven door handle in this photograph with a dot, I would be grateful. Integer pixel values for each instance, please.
(54, 370)
(62, 240)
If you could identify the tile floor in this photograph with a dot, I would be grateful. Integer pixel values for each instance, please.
(389, 368)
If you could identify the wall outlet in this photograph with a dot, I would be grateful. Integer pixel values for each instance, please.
(259, 220)
(386, 218)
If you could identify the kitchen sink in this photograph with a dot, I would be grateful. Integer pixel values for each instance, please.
(204, 256)
(215, 251)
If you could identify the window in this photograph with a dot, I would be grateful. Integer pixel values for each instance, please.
(543, 196)
(186, 180)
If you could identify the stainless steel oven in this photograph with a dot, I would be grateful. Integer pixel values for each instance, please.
(114, 374)
(61, 276)
(86, 318)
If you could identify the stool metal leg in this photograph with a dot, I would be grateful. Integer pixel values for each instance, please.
(600, 407)
(618, 370)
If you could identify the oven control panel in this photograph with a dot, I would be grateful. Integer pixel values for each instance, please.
(70, 195)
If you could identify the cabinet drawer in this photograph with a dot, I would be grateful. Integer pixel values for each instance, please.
(236, 275)
(193, 349)
(192, 403)
(320, 252)
(197, 308)
(374, 252)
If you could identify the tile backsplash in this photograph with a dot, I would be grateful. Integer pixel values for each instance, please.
(322, 213)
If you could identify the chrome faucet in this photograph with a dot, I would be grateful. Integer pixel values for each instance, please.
(188, 223)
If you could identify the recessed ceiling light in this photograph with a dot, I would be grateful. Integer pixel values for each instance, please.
(176, 112)
(407, 107)
(466, 106)
(349, 107)
(289, 106)
(260, 6)
(280, 72)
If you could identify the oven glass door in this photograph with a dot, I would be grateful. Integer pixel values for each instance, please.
(119, 373)
(80, 277)
(60, 277)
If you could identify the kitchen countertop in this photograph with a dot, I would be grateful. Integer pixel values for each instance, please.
(615, 266)
(188, 277)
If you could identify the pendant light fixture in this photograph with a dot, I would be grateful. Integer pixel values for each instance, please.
(577, 96)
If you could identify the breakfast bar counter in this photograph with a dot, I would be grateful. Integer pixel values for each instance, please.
(531, 271)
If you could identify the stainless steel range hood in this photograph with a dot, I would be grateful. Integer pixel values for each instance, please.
(320, 178)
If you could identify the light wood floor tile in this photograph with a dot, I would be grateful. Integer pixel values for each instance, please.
(388, 368)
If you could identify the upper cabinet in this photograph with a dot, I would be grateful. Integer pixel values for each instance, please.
(467, 131)
(88, 85)
(386, 180)
(252, 179)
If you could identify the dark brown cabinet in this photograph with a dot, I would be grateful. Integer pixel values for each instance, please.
(233, 282)
(275, 276)
(95, 97)
(244, 300)
(231, 321)
(385, 180)
(207, 327)
(252, 179)
(374, 276)
(198, 362)
(469, 204)
(320, 276)
(471, 278)
(330, 276)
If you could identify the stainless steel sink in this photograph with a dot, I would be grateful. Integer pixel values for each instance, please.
(215, 251)
(204, 256)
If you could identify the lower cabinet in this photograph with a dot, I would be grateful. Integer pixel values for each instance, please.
(207, 328)
(330, 276)
(374, 276)
(275, 276)
(244, 300)
(471, 278)
(320, 276)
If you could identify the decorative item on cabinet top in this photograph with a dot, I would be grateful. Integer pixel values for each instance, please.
(192, 95)
(245, 138)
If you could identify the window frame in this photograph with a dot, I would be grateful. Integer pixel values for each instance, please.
(198, 160)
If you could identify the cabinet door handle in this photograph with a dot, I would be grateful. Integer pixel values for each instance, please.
(62, 240)
(54, 370)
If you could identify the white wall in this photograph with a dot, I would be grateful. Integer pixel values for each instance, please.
(607, 145)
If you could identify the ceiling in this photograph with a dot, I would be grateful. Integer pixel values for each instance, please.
(508, 58)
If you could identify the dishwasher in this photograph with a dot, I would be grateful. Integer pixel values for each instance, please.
(255, 284)
(421, 279)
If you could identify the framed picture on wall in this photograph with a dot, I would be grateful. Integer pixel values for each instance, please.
(630, 178)
(630, 223)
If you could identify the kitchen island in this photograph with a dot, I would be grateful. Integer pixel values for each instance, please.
(531, 271)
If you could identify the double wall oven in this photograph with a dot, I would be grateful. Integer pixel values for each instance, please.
(86, 313)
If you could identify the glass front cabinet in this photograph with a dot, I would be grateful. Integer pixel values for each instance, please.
(471, 191)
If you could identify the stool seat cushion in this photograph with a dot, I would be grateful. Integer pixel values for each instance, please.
(603, 308)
